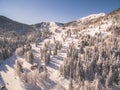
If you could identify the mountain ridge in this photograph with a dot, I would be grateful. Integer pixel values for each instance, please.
(9, 25)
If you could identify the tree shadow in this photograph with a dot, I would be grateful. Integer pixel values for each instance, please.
(31, 87)
(8, 62)
(47, 85)
(64, 47)
(114, 87)
(34, 51)
(55, 62)
(37, 59)
(59, 57)
(50, 84)
(2, 84)
(62, 51)
(53, 65)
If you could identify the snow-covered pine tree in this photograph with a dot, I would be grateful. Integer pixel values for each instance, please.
(29, 57)
(18, 68)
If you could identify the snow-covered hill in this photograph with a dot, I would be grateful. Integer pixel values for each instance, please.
(89, 39)
(47, 26)
(10, 26)
(96, 23)
(90, 17)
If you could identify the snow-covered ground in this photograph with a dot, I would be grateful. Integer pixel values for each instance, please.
(8, 75)
(89, 17)
(12, 81)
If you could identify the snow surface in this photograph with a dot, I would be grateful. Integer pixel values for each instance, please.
(12, 81)
(93, 16)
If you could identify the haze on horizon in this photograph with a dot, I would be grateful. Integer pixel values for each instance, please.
(35, 11)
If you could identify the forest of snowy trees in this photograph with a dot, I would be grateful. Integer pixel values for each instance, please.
(95, 60)
(80, 59)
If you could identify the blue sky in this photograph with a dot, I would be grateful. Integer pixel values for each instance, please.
(35, 11)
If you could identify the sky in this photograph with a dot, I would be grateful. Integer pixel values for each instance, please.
(36, 11)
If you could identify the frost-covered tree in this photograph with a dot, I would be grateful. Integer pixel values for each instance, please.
(19, 51)
(55, 51)
(71, 85)
(47, 58)
(29, 57)
(18, 68)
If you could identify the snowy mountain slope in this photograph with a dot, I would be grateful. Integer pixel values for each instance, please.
(90, 17)
(96, 23)
(47, 26)
(53, 70)
(85, 20)
(9, 25)
(54, 77)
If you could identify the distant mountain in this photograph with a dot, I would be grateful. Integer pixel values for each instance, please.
(47, 26)
(101, 21)
(97, 22)
(83, 22)
(9, 26)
